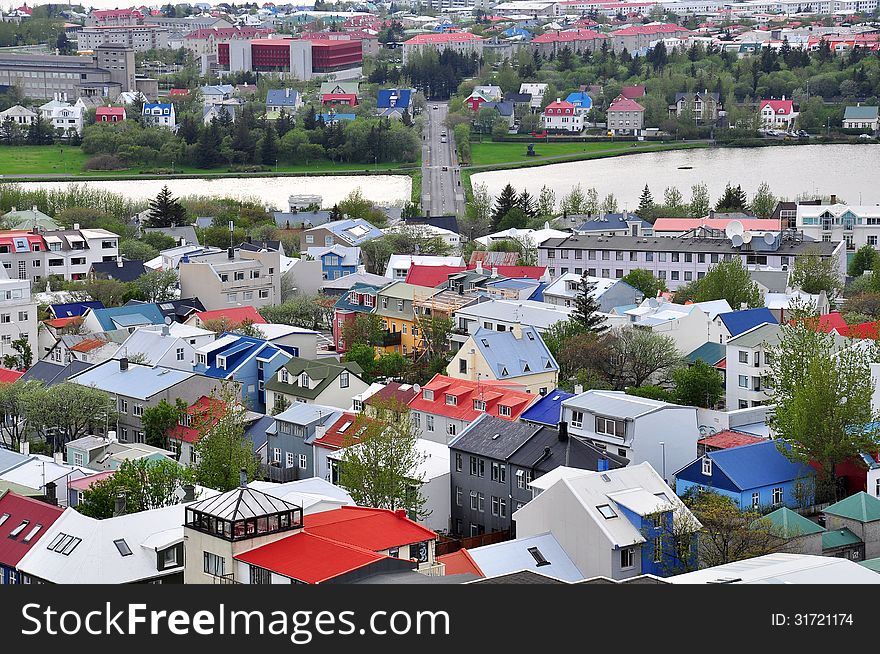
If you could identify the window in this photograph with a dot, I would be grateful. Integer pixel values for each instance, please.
(180, 354)
(627, 559)
(123, 547)
(20, 528)
(707, 466)
(343, 379)
(462, 366)
(658, 549)
(756, 499)
(504, 410)
(495, 503)
(303, 461)
(22, 316)
(429, 423)
(451, 400)
(138, 410)
(123, 405)
(458, 496)
(214, 565)
(78, 459)
(577, 419)
(777, 495)
(450, 429)
(416, 417)
(502, 507)
(479, 405)
(473, 500)
(290, 460)
(304, 380)
(606, 511)
(743, 381)
(610, 427)
(743, 356)
(458, 462)
(481, 502)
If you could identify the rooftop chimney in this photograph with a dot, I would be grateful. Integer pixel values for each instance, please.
(400, 513)
(166, 330)
(833, 198)
(563, 431)
(34, 208)
(231, 253)
(494, 271)
(480, 266)
(242, 478)
(25, 447)
(119, 263)
(602, 465)
(286, 93)
(51, 493)
(578, 389)
(189, 493)
(76, 225)
(123, 364)
(119, 507)
(743, 306)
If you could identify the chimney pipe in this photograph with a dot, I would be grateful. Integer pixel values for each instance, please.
(119, 263)
(119, 507)
(123, 364)
(51, 493)
(242, 478)
(231, 253)
(166, 330)
(563, 431)
(833, 198)
(189, 493)
(602, 465)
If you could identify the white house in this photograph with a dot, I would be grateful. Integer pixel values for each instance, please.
(562, 116)
(537, 91)
(161, 115)
(640, 429)
(856, 225)
(21, 116)
(170, 346)
(778, 114)
(748, 361)
(689, 325)
(609, 293)
(63, 116)
(502, 315)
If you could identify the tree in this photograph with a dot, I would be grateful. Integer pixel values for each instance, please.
(764, 202)
(586, 307)
(700, 204)
(609, 204)
(477, 220)
(146, 484)
(814, 273)
(269, 146)
(381, 468)
(14, 400)
(157, 285)
(364, 355)
(728, 533)
(640, 354)
(674, 205)
(733, 199)
(527, 204)
(159, 420)
(698, 385)
(506, 201)
(822, 389)
(645, 281)
(865, 258)
(222, 451)
(25, 355)
(165, 210)
(435, 335)
(574, 202)
(137, 250)
(546, 202)
(646, 204)
(68, 411)
(729, 280)
(365, 329)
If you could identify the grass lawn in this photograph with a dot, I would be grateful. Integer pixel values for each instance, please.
(489, 153)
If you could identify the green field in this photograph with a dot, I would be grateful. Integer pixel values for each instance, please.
(490, 153)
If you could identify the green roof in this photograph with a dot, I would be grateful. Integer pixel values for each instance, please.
(319, 371)
(28, 219)
(709, 352)
(860, 113)
(839, 538)
(871, 564)
(790, 524)
(861, 507)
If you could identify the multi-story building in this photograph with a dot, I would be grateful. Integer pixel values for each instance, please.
(394, 306)
(360, 298)
(67, 253)
(609, 293)
(562, 116)
(506, 315)
(205, 41)
(677, 261)
(704, 107)
(139, 38)
(18, 315)
(65, 118)
(748, 366)
(778, 114)
(446, 406)
(160, 115)
(42, 77)
(21, 116)
(463, 43)
(114, 17)
(855, 225)
(625, 116)
(636, 37)
(328, 383)
(351, 232)
(290, 445)
(286, 57)
(235, 278)
(577, 40)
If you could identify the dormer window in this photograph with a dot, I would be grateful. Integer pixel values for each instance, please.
(451, 400)
(304, 380)
(428, 394)
(504, 410)
(283, 376)
(707, 466)
(479, 405)
(221, 362)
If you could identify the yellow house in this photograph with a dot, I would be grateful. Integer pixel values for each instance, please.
(518, 356)
(394, 306)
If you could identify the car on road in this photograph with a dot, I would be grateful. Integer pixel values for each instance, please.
(443, 139)
(436, 106)
(865, 136)
(445, 168)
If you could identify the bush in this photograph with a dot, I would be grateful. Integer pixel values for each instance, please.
(105, 162)
(248, 169)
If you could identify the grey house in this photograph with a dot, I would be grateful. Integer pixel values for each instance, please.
(492, 462)
(289, 442)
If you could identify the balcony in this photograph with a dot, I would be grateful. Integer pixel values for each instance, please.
(390, 338)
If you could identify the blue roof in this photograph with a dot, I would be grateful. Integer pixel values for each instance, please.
(137, 314)
(758, 465)
(510, 357)
(73, 309)
(157, 105)
(343, 303)
(139, 381)
(353, 230)
(547, 410)
(610, 221)
(388, 98)
(503, 108)
(738, 322)
(280, 97)
(236, 353)
(580, 99)
(538, 295)
(514, 283)
(516, 31)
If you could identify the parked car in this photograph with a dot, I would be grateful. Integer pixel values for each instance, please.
(865, 136)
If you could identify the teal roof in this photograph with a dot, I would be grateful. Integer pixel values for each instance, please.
(839, 538)
(861, 507)
(871, 564)
(790, 524)
(860, 113)
(711, 353)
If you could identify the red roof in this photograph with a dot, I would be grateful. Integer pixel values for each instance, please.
(88, 344)
(454, 37)
(780, 107)
(373, 529)
(7, 238)
(393, 393)
(433, 276)
(310, 558)
(19, 508)
(633, 30)
(728, 439)
(110, 111)
(176, 92)
(569, 35)
(8, 376)
(341, 433)
(202, 407)
(85, 483)
(862, 330)
(60, 323)
(625, 104)
(234, 316)
(460, 562)
(632, 92)
(828, 322)
(493, 393)
(559, 107)
(338, 97)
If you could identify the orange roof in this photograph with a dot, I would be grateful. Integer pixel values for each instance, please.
(342, 432)
(88, 344)
(60, 323)
(235, 316)
(728, 439)
(460, 562)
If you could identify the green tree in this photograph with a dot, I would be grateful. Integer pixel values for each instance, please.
(14, 400)
(365, 329)
(165, 210)
(698, 385)
(764, 202)
(646, 204)
(733, 199)
(586, 307)
(645, 281)
(158, 420)
(269, 146)
(822, 389)
(638, 355)
(506, 201)
(546, 202)
(364, 355)
(477, 220)
(146, 484)
(137, 250)
(25, 355)
(68, 411)
(729, 280)
(700, 203)
(813, 273)
(157, 285)
(865, 258)
(222, 451)
(380, 469)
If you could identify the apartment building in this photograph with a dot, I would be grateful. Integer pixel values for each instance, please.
(139, 38)
(233, 278)
(42, 77)
(18, 314)
(463, 43)
(748, 365)
(855, 225)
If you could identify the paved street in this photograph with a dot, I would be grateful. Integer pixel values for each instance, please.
(442, 193)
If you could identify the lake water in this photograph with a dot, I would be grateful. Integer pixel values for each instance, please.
(852, 172)
(388, 190)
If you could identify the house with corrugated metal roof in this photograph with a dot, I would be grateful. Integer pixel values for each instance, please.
(328, 383)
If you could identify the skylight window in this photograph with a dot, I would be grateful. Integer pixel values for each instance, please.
(485, 342)
(605, 478)
(123, 547)
(4, 518)
(530, 335)
(606, 511)
(344, 427)
(662, 496)
(539, 558)
(20, 528)
(33, 532)
(64, 544)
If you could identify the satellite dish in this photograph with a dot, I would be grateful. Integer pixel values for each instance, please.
(168, 320)
(736, 240)
(769, 238)
(417, 388)
(734, 228)
(747, 237)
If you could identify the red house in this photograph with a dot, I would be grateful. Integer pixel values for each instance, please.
(23, 522)
(109, 114)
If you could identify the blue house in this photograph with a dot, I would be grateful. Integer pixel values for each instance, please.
(393, 102)
(125, 317)
(290, 441)
(735, 323)
(244, 359)
(581, 100)
(754, 476)
(336, 260)
(286, 99)
(73, 309)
